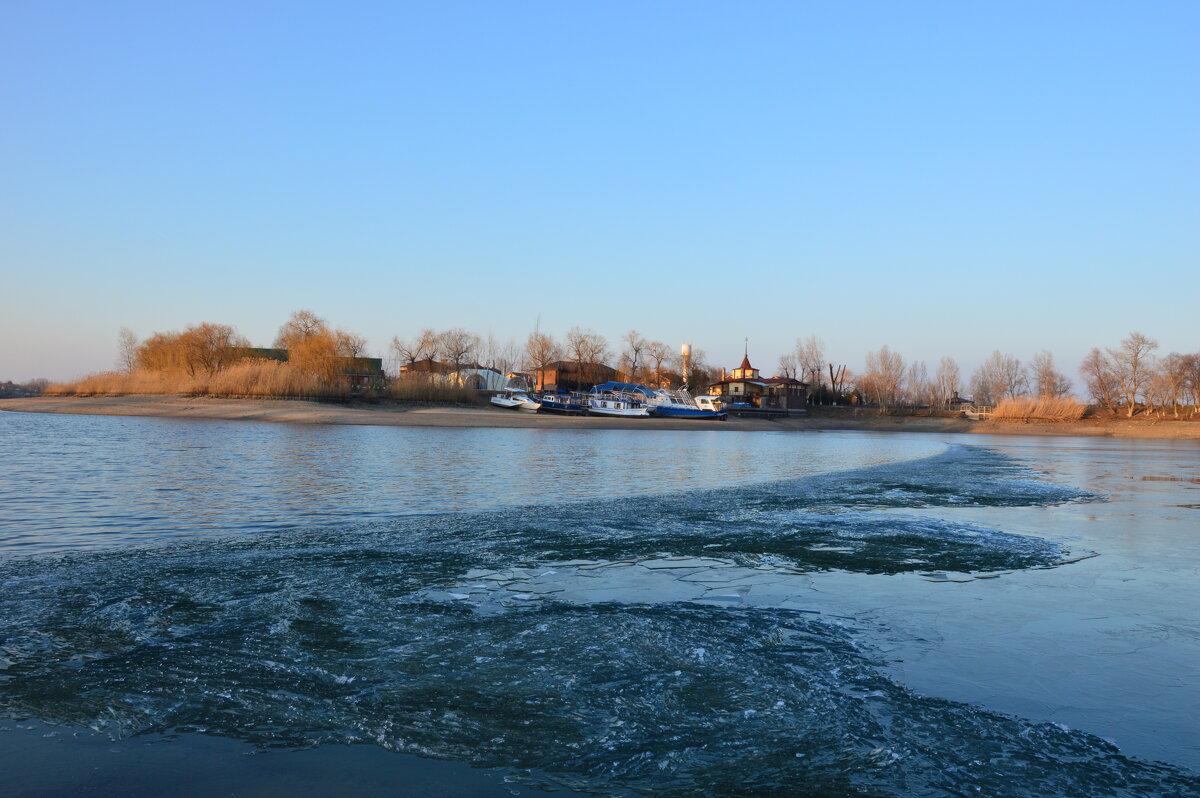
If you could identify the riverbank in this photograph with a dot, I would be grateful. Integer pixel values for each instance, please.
(296, 411)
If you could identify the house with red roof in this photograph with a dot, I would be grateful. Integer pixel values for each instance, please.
(745, 385)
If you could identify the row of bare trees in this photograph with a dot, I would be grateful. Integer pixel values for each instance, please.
(1125, 378)
(1129, 376)
(888, 382)
(637, 358)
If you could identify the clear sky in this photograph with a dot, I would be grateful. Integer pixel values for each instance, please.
(945, 178)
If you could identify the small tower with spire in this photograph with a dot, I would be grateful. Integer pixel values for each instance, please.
(745, 371)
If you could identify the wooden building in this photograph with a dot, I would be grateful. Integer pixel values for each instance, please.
(569, 375)
(745, 385)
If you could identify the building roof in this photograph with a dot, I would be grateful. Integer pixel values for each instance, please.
(574, 365)
(746, 363)
(765, 382)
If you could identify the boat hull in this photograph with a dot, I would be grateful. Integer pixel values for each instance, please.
(667, 411)
(620, 406)
(514, 400)
(621, 412)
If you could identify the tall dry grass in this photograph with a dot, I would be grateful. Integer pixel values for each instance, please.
(434, 391)
(250, 378)
(1041, 408)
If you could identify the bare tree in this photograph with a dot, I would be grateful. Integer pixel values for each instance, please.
(350, 345)
(507, 357)
(1001, 376)
(459, 346)
(1172, 379)
(303, 324)
(1191, 383)
(1101, 380)
(1134, 364)
(635, 347)
(947, 380)
(810, 360)
(917, 388)
(882, 378)
(502, 356)
(424, 346)
(541, 350)
(657, 354)
(588, 349)
(1048, 380)
(837, 380)
(127, 346)
(788, 365)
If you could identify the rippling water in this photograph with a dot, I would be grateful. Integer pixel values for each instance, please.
(671, 613)
(75, 481)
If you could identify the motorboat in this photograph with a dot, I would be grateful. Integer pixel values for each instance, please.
(515, 399)
(567, 403)
(680, 404)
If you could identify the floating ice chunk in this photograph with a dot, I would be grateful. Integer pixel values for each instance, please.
(1079, 557)
(544, 587)
(709, 575)
(684, 562)
(724, 597)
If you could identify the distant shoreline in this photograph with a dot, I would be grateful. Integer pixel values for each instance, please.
(297, 411)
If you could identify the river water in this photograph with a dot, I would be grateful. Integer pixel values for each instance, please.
(194, 607)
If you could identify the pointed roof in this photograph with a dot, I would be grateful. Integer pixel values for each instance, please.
(746, 363)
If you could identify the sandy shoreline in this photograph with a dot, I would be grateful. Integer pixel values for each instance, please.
(308, 412)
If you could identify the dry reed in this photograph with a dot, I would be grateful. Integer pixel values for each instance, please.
(1041, 408)
(420, 389)
(251, 378)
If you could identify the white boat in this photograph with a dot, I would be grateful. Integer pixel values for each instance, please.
(611, 403)
(515, 399)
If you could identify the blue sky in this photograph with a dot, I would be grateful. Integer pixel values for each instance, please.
(944, 178)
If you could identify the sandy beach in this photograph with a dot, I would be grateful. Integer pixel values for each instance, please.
(309, 412)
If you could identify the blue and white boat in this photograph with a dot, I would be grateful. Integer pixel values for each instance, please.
(681, 404)
(567, 403)
(667, 404)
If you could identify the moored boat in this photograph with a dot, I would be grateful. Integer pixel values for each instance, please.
(515, 399)
(679, 404)
(567, 403)
(616, 403)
